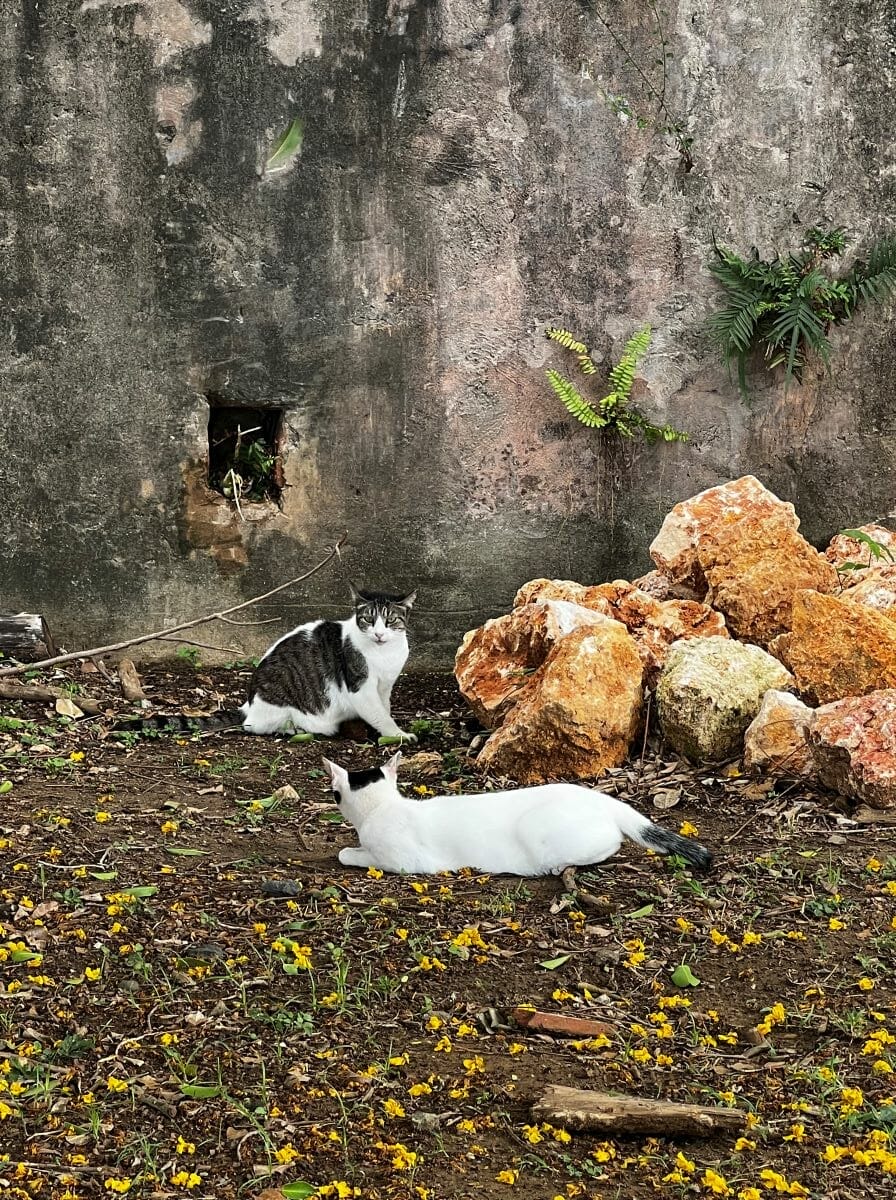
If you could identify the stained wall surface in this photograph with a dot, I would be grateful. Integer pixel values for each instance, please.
(471, 170)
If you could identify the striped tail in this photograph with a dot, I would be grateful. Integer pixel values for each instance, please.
(224, 718)
(653, 837)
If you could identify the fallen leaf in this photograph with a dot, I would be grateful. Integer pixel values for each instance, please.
(68, 708)
(683, 976)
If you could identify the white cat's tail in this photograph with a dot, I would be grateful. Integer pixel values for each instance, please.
(653, 837)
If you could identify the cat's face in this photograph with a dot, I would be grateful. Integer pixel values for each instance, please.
(382, 617)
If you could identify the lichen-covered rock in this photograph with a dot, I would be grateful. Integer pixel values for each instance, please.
(775, 740)
(843, 549)
(838, 648)
(578, 714)
(741, 543)
(853, 747)
(876, 588)
(709, 692)
(495, 661)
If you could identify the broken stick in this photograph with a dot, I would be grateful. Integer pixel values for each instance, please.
(40, 694)
(613, 1115)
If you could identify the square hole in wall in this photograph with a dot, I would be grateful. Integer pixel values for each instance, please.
(244, 450)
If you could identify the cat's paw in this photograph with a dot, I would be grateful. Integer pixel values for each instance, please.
(407, 737)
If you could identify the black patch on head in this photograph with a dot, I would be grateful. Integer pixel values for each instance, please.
(381, 598)
(362, 779)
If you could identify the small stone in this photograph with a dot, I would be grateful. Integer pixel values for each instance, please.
(709, 692)
(875, 589)
(838, 648)
(495, 661)
(287, 792)
(579, 712)
(775, 740)
(661, 587)
(843, 549)
(427, 763)
(853, 747)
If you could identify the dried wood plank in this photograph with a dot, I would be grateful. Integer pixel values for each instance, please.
(40, 694)
(129, 680)
(559, 1023)
(637, 1116)
(25, 636)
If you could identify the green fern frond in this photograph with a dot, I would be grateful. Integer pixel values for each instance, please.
(567, 340)
(574, 402)
(785, 307)
(623, 374)
(612, 411)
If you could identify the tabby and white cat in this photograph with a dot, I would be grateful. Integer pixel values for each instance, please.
(528, 831)
(321, 674)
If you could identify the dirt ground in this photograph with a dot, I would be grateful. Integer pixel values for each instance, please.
(171, 1025)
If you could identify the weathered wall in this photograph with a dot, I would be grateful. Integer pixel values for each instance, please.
(463, 180)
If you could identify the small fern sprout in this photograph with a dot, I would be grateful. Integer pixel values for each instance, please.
(612, 412)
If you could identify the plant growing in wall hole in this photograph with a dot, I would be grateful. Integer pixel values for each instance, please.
(614, 413)
(786, 307)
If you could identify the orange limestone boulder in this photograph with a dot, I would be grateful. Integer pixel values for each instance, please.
(838, 648)
(495, 661)
(853, 747)
(775, 741)
(742, 543)
(579, 712)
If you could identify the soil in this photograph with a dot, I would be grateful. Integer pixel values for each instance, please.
(199, 999)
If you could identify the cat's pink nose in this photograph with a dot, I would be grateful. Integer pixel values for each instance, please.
(379, 638)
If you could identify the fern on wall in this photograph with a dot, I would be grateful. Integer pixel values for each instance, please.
(614, 412)
(786, 307)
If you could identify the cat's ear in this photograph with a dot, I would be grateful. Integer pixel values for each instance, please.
(390, 769)
(408, 601)
(338, 775)
(356, 595)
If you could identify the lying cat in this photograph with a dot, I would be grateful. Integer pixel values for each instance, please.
(319, 675)
(528, 831)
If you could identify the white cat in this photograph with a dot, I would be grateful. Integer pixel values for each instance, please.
(527, 831)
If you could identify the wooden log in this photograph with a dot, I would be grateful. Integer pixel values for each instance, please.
(40, 694)
(25, 637)
(129, 680)
(634, 1116)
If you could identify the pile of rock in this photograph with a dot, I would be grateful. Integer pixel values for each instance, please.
(740, 613)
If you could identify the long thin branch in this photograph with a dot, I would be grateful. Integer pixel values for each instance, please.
(162, 633)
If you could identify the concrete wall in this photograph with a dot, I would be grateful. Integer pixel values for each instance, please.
(463, 180)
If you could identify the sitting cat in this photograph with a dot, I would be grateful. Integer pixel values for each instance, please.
(319, 675)
(528, 831)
